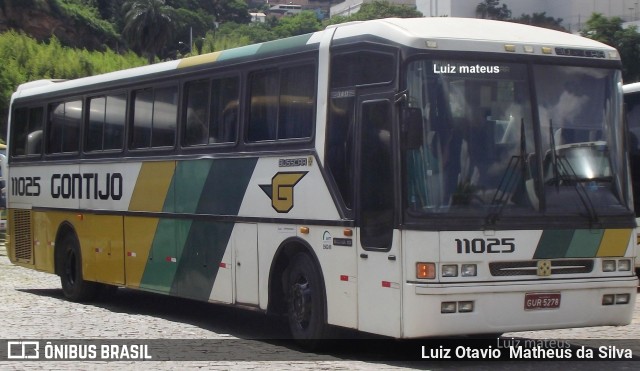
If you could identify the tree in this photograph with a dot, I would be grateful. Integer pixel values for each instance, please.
(227, 10)
(302, 23)
(149, 24)
(540, 20)
(378, 10)
(491, 9)
(108, 9)
(627, 40)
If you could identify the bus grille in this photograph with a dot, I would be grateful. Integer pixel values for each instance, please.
(20, 228)
(529, 267)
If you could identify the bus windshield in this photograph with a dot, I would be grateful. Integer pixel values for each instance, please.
(503, 139)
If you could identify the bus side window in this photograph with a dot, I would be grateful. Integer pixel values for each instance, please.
(165, 117)
(196, 130)
(106, 123)
(20, 123)
(263, 115)
(34, 136)
(223, 122)
(296, 102)
(282, 103)
(154, 117)
(114, 121)
(64, 127)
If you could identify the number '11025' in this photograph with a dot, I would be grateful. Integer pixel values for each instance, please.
(488, 245)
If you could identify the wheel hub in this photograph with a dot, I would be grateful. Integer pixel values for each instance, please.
(301, 303)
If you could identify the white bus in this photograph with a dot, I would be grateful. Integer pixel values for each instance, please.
(403, 177)
(632, 110)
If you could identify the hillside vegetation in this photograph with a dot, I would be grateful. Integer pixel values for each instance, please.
(66, 39)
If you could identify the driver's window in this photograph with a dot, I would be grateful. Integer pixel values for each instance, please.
(376, 176)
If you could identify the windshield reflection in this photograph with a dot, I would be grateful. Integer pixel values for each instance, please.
(476, 152)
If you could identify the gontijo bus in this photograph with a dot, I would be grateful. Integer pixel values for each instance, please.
(404, 177)
(632, 111)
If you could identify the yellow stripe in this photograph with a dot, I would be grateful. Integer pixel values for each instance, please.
(199, 59)
(139, 233)
(152, 186)
(106, 248)
(614, 242)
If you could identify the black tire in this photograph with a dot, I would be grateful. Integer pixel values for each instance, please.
(306, 310)
(74, 287)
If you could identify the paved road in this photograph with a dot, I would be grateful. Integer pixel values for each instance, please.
(32, 307)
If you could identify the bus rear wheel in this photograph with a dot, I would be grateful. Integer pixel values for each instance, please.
(74, 287)
(305, 301)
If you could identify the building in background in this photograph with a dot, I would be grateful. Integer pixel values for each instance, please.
(281, 8)
(258, 17)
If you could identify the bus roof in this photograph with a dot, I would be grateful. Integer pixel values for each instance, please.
(439, 33)
(479, 35)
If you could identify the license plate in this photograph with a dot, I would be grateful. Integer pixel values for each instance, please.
(535, 301)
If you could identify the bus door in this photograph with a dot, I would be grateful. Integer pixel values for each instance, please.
(379, 263)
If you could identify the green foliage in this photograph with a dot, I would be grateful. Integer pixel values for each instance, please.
(627, 40)
(301, 23)
(378, 10)
(82, 12)
(24, 59)
(491, 9)
(603, 29)
(149, 24)
(231, 34)
(235, 11)
(540, 20)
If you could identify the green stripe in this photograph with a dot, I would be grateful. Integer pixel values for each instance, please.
(207, 186)
(553, 244)
(160, 271)
(200, 260)
(283, 44)
(585, 243)
(225, 186)
(190, 178)
(169, 205)
(243, 51)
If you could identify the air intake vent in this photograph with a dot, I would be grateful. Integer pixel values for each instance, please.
(529, 267)
(20, 228)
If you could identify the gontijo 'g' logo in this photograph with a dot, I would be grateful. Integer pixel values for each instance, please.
(280, 191)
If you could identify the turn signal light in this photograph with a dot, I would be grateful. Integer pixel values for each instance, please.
(426, 271)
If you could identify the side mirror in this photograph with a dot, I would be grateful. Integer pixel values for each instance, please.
(411, 128)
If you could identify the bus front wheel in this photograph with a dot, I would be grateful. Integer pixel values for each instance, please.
(74, 287)
(305, 301)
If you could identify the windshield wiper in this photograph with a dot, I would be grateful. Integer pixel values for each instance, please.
(561, 164)
(509, 181)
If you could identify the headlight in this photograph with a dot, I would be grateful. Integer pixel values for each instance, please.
(608, 265)
(469, 270)
(449, 271)
(624, 265)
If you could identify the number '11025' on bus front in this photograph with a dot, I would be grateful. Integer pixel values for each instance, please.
(485, 245)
